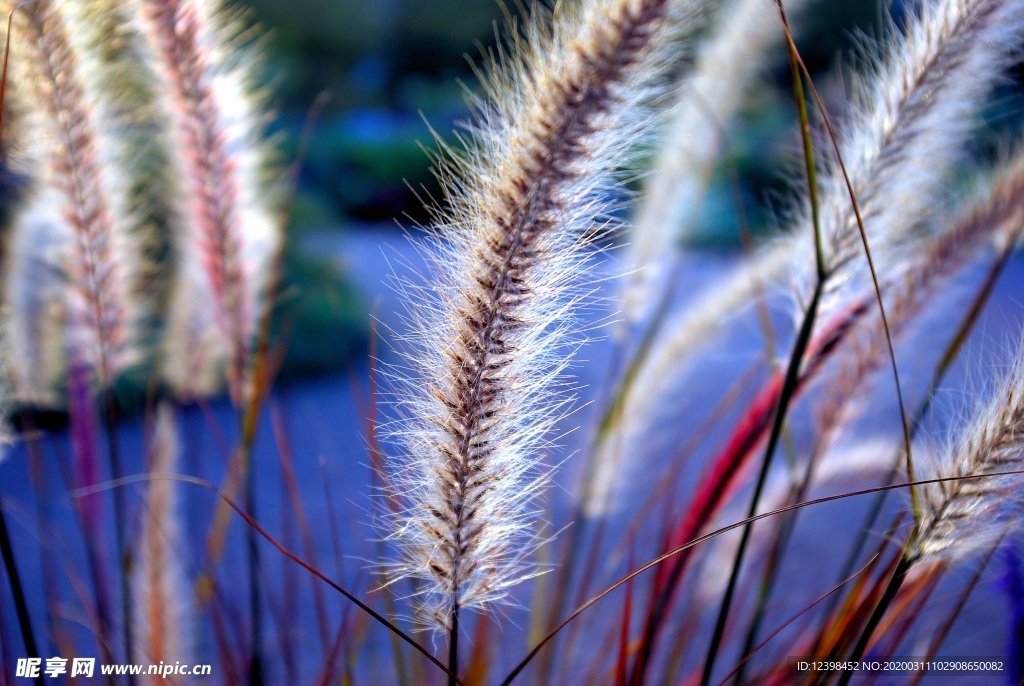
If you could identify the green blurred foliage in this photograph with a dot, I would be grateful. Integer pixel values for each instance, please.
(363, 51)
(322, 322)
(394, 68)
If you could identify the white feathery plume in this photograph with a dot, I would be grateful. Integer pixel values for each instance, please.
(727, 66)
(71, 148)
(993, 214)
(910, 116)
(481, 386)
(226, 230)
(965, 515)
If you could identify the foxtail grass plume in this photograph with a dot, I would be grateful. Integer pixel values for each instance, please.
(965, 515)
(481, 384)
(911, 114)
(726, 68)
(163, 594)
(109, 36)
(992, 216)
(226, 230)
(996, 208)
(69, 148)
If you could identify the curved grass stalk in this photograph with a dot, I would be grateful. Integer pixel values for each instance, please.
(909, 104)
(996, 213)
(668, 555)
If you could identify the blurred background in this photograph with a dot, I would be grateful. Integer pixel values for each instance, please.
(390, 74)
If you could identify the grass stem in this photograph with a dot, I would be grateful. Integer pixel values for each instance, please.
(453, 646)
(124, 555)
(17, 591)
(891, 589)
(788, 388)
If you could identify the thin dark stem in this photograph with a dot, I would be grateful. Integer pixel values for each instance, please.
(943, 632)
(255, 609)
(810, 167)
(100, 593)
(891, 589)
(124, 556)
(796, 358)
(40, 491)
(795, 61)
(3, 79)
(453, 647)
(767, 585)
(749, 652)
(939, 374)
(263, 533)
(789, 385)
(517, 670)
(20, 604)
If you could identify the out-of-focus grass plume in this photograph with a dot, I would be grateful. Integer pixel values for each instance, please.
(143, 182)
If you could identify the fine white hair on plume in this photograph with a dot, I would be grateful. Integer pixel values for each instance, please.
(726, 68)
(964, 515)
(993, 213)
(225, 226)
(480, 385)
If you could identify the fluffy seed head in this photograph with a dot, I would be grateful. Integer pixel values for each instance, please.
(225, 230)
(491, 338)
(993, 214)
(962, 516)
(726, 67)
(911, 114)
(68, 139)
(913, 107)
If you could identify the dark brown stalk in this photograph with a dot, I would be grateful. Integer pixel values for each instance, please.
(750, 651)
(892, 587)
(947, 626)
